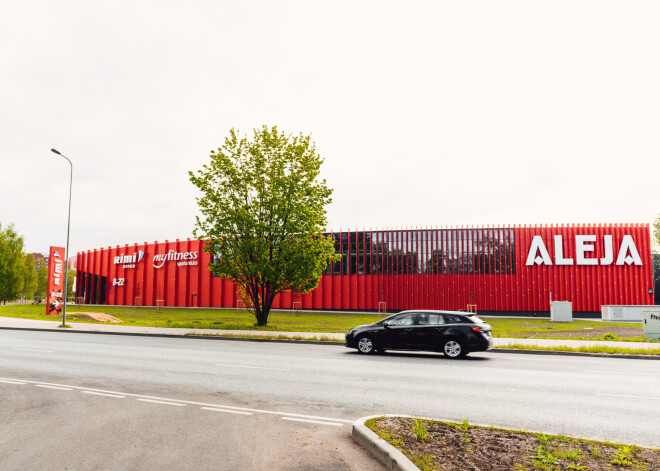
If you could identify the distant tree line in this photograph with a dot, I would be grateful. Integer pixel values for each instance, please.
(22, 275)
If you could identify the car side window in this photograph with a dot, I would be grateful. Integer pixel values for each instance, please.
(436, 319)
(406, 319)
(430, 319)
(452, 319)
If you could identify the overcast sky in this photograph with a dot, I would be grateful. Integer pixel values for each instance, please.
(427, 113)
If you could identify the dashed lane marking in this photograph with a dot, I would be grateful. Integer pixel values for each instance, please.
(627, 373)
(293, 419)
(252, 367)
(11, 382)
(168, 403)
(225, 410)
(33, 350)
(179, 401)
(626, 395)
(104, 394)
(52, 387)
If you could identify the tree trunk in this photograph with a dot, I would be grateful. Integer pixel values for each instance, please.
(264, 309)
(262, 318)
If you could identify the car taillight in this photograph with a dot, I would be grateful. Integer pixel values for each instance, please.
(476, 329)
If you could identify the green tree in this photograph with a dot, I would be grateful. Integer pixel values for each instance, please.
(41, 267)
(656, 232)
(29, 277)
(12, 264)
(71, 277)
(263, 213)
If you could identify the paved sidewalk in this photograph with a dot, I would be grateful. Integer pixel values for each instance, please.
(11, 322)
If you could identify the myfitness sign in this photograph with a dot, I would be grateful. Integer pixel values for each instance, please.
(159, 260)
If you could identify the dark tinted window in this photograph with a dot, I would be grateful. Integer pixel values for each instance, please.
(430, 319)
(452, 319)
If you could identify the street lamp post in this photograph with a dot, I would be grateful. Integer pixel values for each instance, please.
(66, 252)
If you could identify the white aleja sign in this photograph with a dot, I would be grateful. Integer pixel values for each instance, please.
(584, 245)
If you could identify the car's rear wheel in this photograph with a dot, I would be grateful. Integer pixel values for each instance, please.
(366, 345)
(454, 348)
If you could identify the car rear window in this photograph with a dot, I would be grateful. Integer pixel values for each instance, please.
(430, 319)
(452, 319)
(476, 320)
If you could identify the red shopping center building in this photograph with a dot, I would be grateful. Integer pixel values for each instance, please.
(499, 269)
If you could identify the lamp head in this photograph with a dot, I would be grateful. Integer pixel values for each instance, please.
(56, 151)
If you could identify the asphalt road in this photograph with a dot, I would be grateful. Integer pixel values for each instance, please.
(82, 401)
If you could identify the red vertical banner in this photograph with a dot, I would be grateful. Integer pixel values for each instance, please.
(56, 274)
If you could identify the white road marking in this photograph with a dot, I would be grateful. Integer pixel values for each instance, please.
(252, 367)
(625, 373)
(11, 382)
(625, 395)
(104, 394)
(162, 402)
(311, 421)
(192, 403)
(52, 387)
(33, 350)
(225, 410)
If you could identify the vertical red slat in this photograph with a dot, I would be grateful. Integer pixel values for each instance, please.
(620, 296)
(524, 285)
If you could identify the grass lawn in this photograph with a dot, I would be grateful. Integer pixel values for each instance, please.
(232, 319)
(324, 322)
(199, 318)
(576, 330)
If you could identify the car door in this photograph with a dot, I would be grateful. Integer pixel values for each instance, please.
(429, 330)
(398, 331)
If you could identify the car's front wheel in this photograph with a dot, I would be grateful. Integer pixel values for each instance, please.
(366, 345)
(454, 348)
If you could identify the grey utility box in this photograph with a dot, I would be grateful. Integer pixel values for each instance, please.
(561, 311)
(626, 313)
(651, 321)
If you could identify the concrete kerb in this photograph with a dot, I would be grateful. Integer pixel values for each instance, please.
(394, 459)
(385, 453)
(583, 354)
(176, 336)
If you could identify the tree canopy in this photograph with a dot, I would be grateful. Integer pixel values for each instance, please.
(263, 214)
(21, 276)
(12, 264)
(656, 232)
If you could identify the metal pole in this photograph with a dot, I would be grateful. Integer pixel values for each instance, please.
(66, 252)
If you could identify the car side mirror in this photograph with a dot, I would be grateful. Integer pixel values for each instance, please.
(386, 325)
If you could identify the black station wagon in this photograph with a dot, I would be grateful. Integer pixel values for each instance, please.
(453, 333)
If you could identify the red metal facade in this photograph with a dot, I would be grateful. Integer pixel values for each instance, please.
(447, 268)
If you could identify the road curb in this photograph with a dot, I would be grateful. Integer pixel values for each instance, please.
(634, 356)
(176, 336)
(385, 453)
(326, 342)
